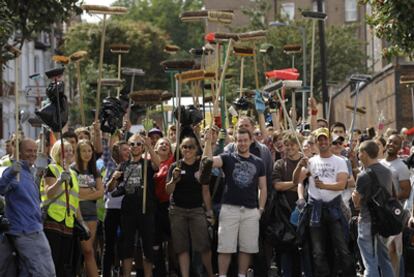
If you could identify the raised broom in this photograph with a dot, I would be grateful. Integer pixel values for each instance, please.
(119, 49)
(105, 11)
(146, 97)
(76, 58)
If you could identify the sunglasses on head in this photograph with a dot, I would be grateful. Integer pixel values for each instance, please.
(188, 146)
(133, 144)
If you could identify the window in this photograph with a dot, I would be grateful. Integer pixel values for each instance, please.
(315, 6)
(288, 10)
(351, 10)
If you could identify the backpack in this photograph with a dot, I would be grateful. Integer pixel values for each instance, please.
(388, 216)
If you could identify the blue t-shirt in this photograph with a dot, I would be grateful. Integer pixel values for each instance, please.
(242, 179)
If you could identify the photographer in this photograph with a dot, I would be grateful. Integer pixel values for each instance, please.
(25, 236)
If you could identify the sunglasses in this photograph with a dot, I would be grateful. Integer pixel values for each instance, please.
(190, 147)
(257, 134)
(133, 144)
(337, 143)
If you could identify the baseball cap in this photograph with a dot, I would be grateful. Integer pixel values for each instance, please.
(321, 132)
(154, 131)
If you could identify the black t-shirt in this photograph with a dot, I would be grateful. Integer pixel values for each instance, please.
(242, 179)
(188, 191)
(133, 181)
(364, 186)
(283, 172)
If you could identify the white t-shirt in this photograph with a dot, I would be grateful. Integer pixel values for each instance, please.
(399, 170)
(327, 170)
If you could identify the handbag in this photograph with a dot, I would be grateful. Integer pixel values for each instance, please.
(80, 230)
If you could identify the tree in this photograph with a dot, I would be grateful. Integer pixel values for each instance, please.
(345, 54)
(34, 16)
(147, 43)
(394, 22)
(165, 14)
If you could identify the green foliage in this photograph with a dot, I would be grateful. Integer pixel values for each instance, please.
(147, 43)
(6, 27)
(27, 18)
(30, 17)
(344, 51)
(164, 14)
(394, 22)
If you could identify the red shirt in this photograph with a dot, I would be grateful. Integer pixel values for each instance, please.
(160, 179)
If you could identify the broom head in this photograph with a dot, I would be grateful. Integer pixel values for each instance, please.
(119, 48)
(133, 71)
(171, 49)
(178, 65)
(292, 49)
(243, 51)
(220, 16)
(190, 75)
(99, 9)
(112, 82)
(254, 35)
(78, 55)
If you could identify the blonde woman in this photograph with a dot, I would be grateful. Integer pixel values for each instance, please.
(59, 190)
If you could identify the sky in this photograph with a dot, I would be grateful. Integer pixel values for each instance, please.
(95, 18)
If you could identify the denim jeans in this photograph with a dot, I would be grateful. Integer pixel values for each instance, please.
(34, 255)
(330, 231)
(374, 253)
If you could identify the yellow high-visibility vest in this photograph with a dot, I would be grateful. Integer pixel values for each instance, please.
(57, 208)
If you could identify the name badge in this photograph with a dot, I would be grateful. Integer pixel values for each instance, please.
(182, 172)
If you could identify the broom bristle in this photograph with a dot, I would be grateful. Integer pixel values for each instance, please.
(177, 64)
(191, 75)
(112, 82)
(254, 35)
(193, 15)
(225, 17)
(292, 48)
(119, 48)
(100, 9)
(243, 51)
(226, 36)
(78, 55)
(169, 48)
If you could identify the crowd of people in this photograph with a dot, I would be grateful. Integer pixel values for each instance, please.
(250, 200)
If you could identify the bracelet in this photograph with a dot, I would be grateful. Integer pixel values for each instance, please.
(314, 112)
(273, 110)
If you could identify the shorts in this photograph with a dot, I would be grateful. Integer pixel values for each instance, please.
(238, 226)
(90, 217)
(144, 223)
(189, 225)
